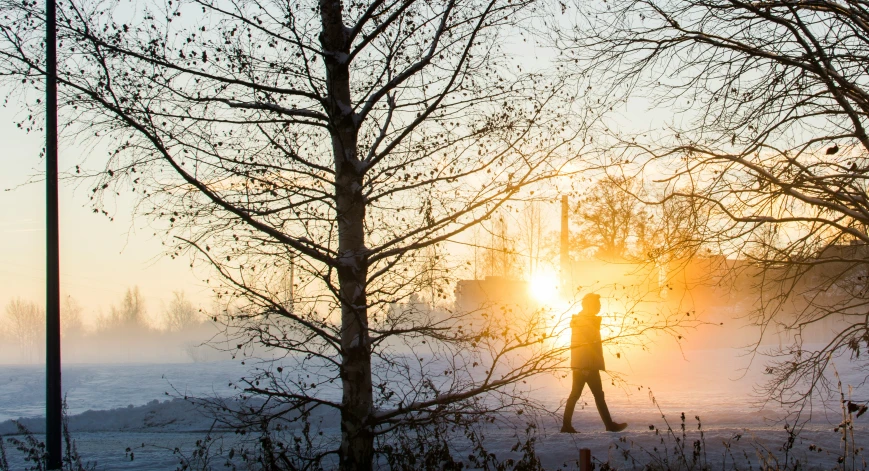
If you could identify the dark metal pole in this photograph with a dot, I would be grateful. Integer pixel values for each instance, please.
(53, 399)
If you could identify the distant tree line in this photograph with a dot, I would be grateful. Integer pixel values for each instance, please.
(22, 325)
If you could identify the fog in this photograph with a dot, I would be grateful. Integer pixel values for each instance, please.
(128, 331)
(713, 303)
(128, 371)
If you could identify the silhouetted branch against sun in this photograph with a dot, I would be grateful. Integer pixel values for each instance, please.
(769, 106)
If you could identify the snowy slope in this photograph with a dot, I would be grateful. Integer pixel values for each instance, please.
(118, 406)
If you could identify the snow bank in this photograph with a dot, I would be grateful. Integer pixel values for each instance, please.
(176, 415)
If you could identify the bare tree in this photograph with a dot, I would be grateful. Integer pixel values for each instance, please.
(25, 323)
(71, 323)
(771, 106)
(130, 315)
(500, 257)
(532, 230)
(181, 314)
(610, 218)
(347, 136)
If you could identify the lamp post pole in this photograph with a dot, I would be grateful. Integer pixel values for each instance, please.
(53, 399)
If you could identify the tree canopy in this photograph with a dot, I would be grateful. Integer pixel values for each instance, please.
(768, 135)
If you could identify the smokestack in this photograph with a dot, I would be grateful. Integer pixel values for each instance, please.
(565, 241)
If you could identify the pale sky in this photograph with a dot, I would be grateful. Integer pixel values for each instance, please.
(99, 259)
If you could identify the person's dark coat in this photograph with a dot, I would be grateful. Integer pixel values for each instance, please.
(586, 349)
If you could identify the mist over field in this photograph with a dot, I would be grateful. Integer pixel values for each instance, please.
(131, 331)
(141, 376)
(143, 387)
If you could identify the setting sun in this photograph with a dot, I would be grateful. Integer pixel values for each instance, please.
(543, 287)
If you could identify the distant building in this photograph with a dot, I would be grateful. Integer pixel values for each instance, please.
(473, 295)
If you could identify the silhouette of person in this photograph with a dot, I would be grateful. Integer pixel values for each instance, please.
(586, 363)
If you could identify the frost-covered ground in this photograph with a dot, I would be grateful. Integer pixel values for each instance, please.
(114, 407)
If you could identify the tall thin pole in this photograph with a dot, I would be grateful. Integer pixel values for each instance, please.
(564, 257)
(292, 283)
(53, 399)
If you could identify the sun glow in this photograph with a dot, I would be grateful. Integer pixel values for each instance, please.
(543, 287)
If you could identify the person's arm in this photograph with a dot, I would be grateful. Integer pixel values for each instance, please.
(576, 321)
(595, 332)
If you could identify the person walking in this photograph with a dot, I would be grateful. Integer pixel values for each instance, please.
(586, 363)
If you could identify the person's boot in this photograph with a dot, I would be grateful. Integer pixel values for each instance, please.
(608, 422)
(568, 428)
(616, 427)
(566, 423)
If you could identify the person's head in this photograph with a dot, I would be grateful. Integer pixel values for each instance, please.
(591, 303)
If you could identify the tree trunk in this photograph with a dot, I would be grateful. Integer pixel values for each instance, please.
(357, 440)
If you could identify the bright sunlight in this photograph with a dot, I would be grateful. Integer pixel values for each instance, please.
(543, 287)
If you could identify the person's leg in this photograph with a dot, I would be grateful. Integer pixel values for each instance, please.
(594, 383)
(575, 392)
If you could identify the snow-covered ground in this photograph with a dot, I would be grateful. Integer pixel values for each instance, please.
(115, 407)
